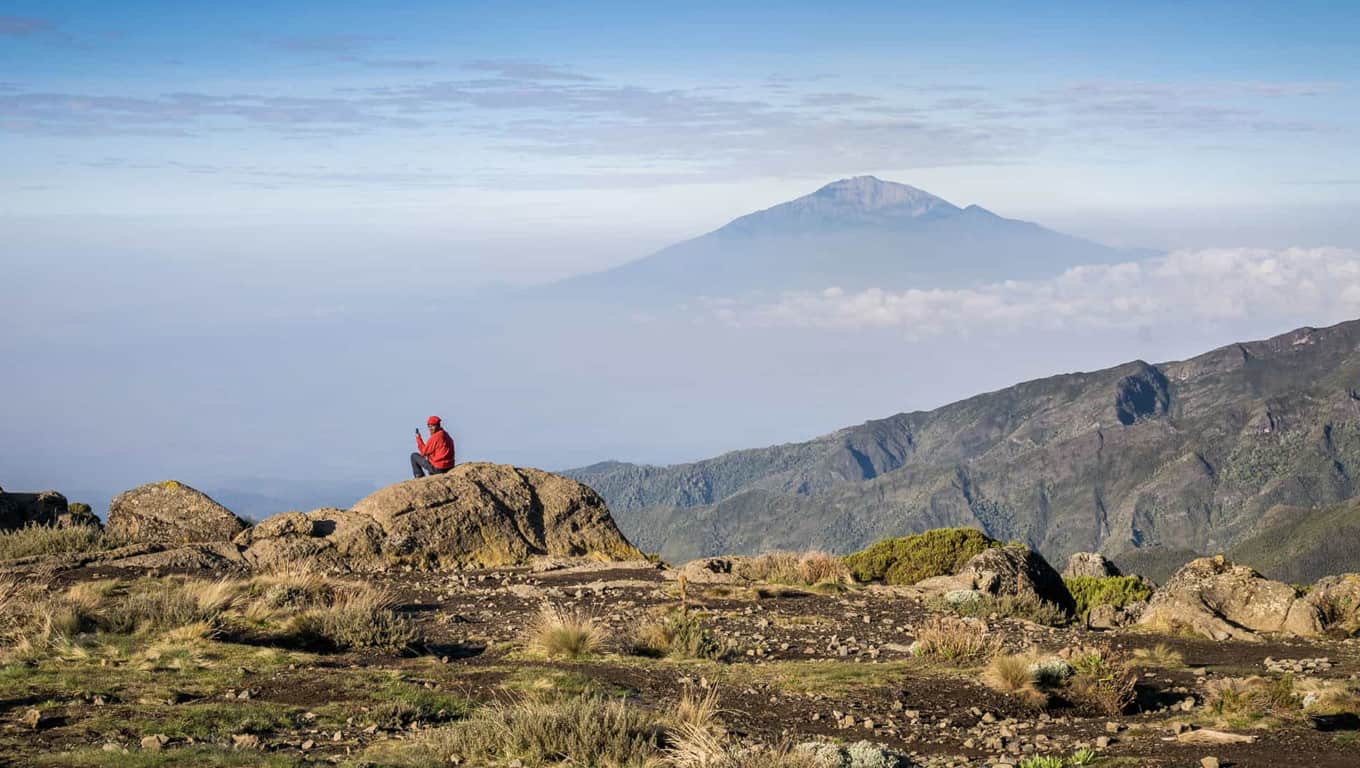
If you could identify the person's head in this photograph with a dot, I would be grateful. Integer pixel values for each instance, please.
(433, 423)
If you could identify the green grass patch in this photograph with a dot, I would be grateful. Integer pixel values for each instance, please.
(910, 559)
(200, 756)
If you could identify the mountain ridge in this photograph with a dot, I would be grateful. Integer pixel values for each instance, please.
(1185, 454)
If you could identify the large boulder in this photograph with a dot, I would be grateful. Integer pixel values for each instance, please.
(1213, 597)
(474, 515)
(50, 508)
(1092, 564)
(170, 512)
(1018, 571)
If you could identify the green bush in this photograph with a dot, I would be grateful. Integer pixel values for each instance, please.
(907, 560)
(1119, 591)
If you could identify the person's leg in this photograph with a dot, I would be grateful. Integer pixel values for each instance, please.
(420, 465)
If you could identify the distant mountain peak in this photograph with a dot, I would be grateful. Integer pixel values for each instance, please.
(857, 202)
(870, 193)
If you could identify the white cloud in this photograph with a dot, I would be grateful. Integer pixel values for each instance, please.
(1205, 285)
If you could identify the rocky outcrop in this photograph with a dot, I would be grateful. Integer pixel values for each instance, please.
(172, 513)
(1213, 597)
(707, 570)
(1092, 564)
(1106, 616)
(1018, 571)
(18, 510)
(475, 515)
(1337, 599)
(329, 539)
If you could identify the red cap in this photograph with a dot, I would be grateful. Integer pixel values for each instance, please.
(432, 420)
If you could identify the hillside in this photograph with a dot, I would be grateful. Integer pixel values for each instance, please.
(1301, 545)
(1187, 455)
(854, 233)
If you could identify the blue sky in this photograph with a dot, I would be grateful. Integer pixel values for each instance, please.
(247, 213)
(561, 116)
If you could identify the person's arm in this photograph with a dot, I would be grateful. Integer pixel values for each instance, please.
(420, 444)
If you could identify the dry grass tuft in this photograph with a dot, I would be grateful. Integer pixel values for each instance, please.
(958, 641)
(35, 540)
(565, 633)
(358, 616)
(677, 635)
(799, 569)
(1014, 675)
(1243, 701)
(1159, 656)
(698, 709)
(572, 731)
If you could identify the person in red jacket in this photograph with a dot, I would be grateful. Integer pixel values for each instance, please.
(433, 456)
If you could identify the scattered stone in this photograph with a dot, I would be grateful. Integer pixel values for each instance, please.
(1210, 736)
(155, 742)
(245, 741)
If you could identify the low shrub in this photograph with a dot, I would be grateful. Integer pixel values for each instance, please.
(1118, 591)
(907, 560)
(1102, 681)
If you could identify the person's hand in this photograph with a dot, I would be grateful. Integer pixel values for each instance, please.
(417, 431)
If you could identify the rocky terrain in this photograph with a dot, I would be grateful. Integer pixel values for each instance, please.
(496, 617)
(1150, 464)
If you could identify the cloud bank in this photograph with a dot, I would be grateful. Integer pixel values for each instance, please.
(1185, 286)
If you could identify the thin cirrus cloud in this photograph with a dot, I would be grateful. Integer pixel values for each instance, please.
(1202, 285)
(522, 108)
(22, 26)
(350, 49)
(526, 69)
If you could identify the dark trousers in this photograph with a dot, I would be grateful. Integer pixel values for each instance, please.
(421, 466)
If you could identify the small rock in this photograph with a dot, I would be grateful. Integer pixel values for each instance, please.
(245, 741)
(155, 742)
(34, 719)
(1209, 762)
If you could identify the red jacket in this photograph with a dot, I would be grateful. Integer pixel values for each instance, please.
(439, 450)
